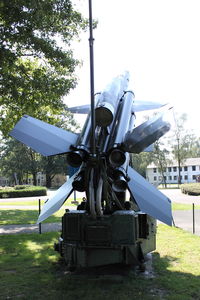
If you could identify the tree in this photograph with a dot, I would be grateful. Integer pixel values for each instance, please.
(140, 162)
(183, 143)
(18, 161)
(53, 165)
(35, 72)
(160, 158)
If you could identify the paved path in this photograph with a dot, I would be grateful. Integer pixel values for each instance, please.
(184, 219)
(29, 228)
(175, 195)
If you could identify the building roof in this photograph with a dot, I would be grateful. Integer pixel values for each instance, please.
(187, 162)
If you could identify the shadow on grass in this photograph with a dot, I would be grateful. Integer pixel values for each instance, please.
(182, 285)
(31, 269)
(18, 216)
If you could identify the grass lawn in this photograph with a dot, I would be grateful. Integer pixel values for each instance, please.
(29, 216)
(26, 216)
(35, 202)
(180, 206)
(30, 269)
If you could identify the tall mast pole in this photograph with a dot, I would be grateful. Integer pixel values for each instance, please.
(91, 41)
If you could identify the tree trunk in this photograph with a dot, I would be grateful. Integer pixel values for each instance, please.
(34, 179)
(48, 180)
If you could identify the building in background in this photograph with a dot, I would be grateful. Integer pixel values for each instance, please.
(190, 172)
(57, 181)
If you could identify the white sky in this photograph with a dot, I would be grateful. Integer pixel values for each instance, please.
(157, 41)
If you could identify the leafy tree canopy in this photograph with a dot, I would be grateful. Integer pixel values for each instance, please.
(34, 71)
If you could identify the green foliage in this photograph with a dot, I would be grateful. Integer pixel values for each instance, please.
(191, 188)
(160, 158)
(140, 162)
(27, 191)
(53, 165)
(184, 143)
(35, 71)
(17, 161)
(22, 187)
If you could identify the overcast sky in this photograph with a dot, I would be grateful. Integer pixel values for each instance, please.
(157, 41)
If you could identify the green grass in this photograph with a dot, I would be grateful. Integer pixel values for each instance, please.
(29, 216)
(31, 269)
(34, 202)
(181, 206)
(23, 216)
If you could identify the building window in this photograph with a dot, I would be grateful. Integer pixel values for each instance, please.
(185, 169)
(170, 177)
(154, 170)
(155, 178)
(194, 177)
(169, 169)
(180, 168)
(193, 168)
(175, 177)
(174, 169)
(186, 177)
(165, 178)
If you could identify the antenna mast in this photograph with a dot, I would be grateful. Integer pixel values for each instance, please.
(91, 41)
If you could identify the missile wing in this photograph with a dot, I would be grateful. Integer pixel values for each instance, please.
(57, 200)
(42, 137)
(148, 198)
(137, 106)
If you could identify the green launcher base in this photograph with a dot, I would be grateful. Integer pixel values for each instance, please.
(124, 237)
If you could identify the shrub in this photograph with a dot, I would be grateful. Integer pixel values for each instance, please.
(22, 187)
(191, 188)
(23, 191)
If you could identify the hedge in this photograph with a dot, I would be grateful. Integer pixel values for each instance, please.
(23, 191)
(191, 188)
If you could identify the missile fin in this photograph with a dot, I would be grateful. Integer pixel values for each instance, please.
(83, 109)
(137, 106)
(150, 200)
(57, 200)
(146, 105)
(43, 137)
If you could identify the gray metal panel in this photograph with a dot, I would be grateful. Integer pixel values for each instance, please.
(43, 137)
(57, 200)
(150, 200)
